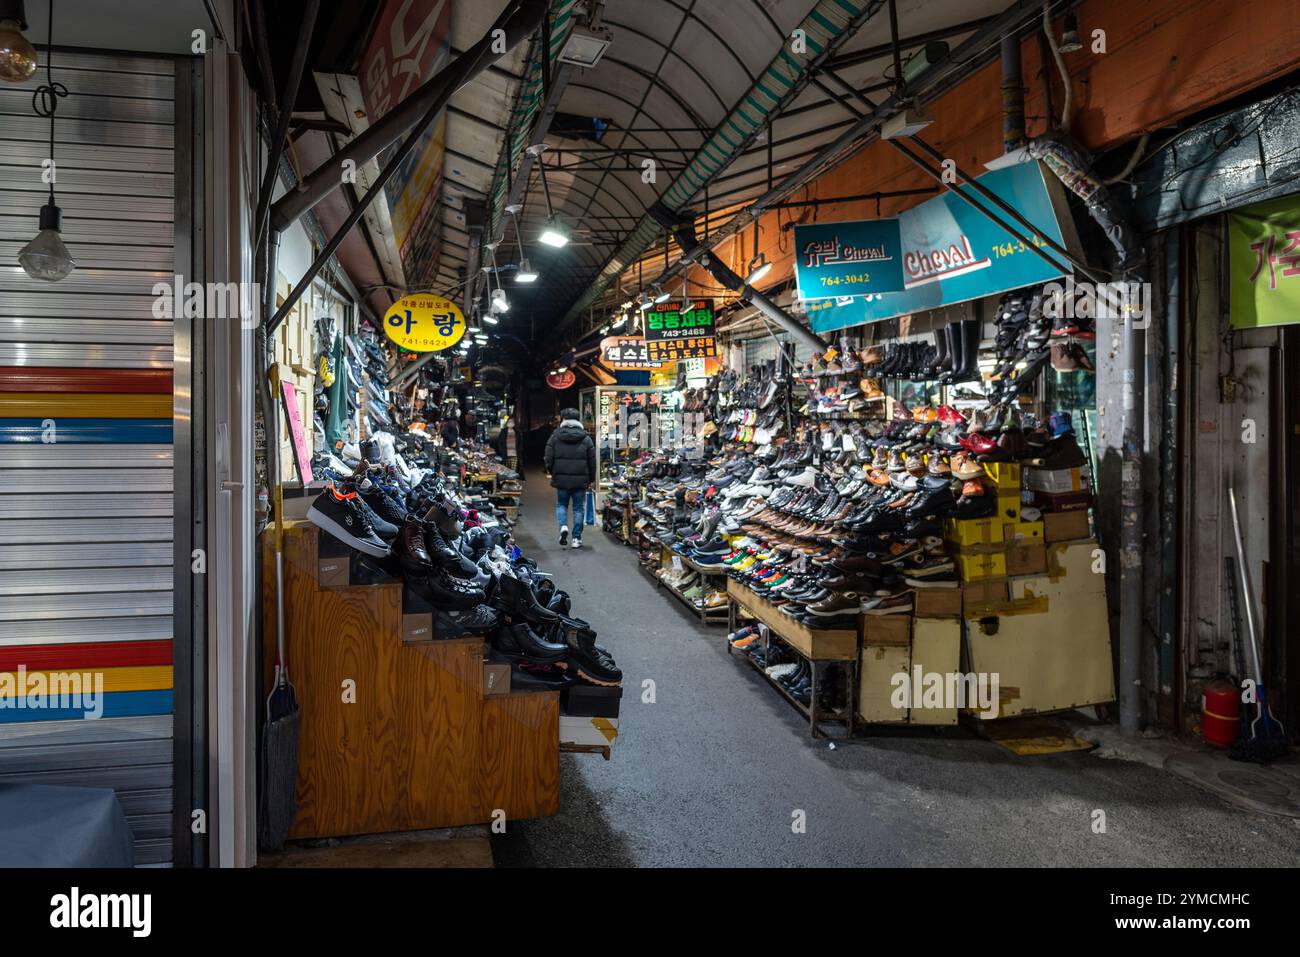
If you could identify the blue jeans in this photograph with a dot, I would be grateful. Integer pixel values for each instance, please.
(570, 498)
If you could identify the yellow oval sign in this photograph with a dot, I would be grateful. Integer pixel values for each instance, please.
(424, 323)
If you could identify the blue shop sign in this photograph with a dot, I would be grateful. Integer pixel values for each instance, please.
(952, 253)
(848, 259)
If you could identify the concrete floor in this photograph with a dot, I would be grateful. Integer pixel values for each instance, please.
(713, 771)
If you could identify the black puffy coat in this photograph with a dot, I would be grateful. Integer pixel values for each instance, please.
(571, 456)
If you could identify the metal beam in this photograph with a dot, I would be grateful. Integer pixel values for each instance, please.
(518, 20)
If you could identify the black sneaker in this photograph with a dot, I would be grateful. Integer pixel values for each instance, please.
(383, 528)
(344, 515)
(564, 537)
(382, 504)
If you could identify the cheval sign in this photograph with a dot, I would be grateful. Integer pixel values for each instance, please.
(952, 253)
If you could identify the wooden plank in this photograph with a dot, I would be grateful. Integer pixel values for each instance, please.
(824, 644)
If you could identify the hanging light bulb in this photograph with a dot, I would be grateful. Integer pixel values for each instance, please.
(1070, 42)
(663, 296)
(758, 268)
(500, 303)
(490, 319)
(45, 257)
(17, 55)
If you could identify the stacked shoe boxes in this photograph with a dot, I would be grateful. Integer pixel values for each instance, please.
(990, 550)
(1064, 496)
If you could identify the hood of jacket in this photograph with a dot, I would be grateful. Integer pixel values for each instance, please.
(570, 430)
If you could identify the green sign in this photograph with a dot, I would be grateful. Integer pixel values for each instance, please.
(680, 331)
(1264, 251)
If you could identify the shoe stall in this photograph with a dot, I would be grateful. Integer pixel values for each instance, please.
(438, 670)
(909, 507)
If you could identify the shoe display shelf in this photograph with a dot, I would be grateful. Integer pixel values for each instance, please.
(616, 520)
(819, 646)
(708, 615)
(398, 731)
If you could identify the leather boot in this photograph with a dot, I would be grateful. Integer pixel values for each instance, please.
(970, 347)
(515, 598)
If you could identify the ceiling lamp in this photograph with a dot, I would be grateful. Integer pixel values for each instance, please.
(490, 319)
(647, 304)
(500, 303)
(585, 46)
(555, 234)
(1070, 42)
(758, 268)
(663, 296)
(45, 257)
(619, 321)
(525, 272)
(17, 55)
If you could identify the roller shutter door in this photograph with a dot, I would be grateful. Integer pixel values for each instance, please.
(86, 427)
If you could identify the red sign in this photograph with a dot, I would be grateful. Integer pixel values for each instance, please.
(409, 44)
(561, 380)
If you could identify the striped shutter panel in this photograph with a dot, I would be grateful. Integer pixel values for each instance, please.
(87, 497)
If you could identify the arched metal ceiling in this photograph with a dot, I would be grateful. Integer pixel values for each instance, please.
(675, 69)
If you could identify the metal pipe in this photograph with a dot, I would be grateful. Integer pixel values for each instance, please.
(1013, 95)
(518, 20)
(296, 66)
(1132, 524)
(685, 236)
(455, 76)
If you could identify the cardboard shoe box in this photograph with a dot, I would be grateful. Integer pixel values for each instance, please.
(937, 602)
(588, 731)
(1027, 559)
(981, 565)
(496, 679)
(1055, 480)
(1066, 526)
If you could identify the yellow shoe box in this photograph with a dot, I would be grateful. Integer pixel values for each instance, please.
(1023, 532)
(1005, 475)
(974, 567)
(972, 532)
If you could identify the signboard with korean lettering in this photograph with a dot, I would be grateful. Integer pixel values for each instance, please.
(848, 259)
(953, 253)
(1264, 255)
(626, 353)
(424, 323)
(680, 330)
(410, 43)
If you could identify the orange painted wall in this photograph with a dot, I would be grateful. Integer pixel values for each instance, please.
(1165, 60)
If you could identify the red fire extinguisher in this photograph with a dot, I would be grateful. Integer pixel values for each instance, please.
(1221, 713)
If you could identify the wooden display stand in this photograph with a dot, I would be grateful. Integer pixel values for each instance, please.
(816, 645)
(420, 746)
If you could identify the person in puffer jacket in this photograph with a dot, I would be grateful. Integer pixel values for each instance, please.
(571, 464)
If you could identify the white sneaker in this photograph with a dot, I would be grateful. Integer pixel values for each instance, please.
(576, 543)
(564, 537)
